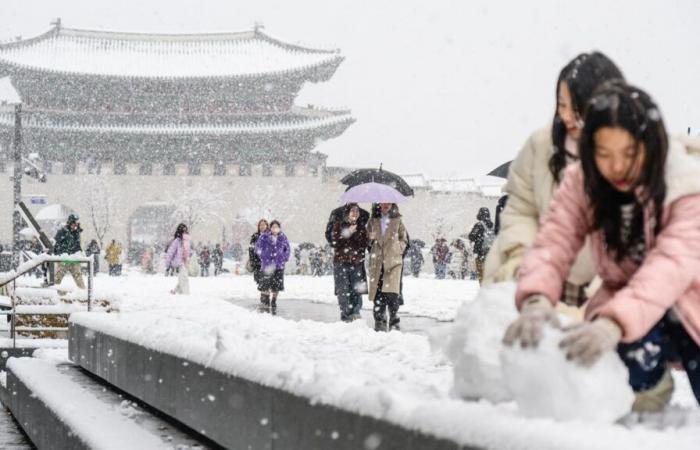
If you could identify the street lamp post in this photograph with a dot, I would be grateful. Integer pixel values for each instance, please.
(17, 179)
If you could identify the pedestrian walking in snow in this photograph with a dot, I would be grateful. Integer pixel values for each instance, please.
(93, 249)
(204, 261)
(482, 237)
(217, 258)
(274, 251)
(350, 238)
(67, 242)
(178, 257)
(388, 241)
(536, 172)
(254, 265)
(457, 267)
(499, 209)
(441, 257)
(637, 198)
(113, 255)
(415, 254)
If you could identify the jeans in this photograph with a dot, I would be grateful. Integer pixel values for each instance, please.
(440, 270)
(646, 358)
(384, 301)
(350, 284)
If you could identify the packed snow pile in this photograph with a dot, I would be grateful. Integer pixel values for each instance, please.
(545, 384)
(474, 343)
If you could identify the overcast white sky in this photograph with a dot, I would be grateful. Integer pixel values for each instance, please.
(441, 87)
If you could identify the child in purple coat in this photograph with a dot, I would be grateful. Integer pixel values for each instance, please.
(273, 249)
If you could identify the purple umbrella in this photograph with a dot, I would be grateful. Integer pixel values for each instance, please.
(372, 193)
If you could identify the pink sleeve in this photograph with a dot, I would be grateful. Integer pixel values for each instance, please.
(666, 273)
(561, 235)
(185, 248)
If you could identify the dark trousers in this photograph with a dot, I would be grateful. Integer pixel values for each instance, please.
(646, 358)
(350, 284)
(384, 301)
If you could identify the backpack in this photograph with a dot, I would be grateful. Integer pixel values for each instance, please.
(489, 237)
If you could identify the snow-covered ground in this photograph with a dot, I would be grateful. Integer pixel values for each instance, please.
(428, 297)
(395, 376)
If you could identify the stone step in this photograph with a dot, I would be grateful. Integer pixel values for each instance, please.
(232, 411)
(59, 406)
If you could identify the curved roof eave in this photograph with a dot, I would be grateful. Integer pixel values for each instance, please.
(8, 68)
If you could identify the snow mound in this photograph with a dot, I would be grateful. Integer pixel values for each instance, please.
(474, 343)
(545, 384)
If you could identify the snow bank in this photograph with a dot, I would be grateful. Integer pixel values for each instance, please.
(474, 342)
(545, 384)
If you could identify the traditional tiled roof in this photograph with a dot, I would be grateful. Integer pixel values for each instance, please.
(300, 119)
(86, 52)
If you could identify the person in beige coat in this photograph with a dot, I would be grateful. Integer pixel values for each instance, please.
(388, 240)
(535, 173)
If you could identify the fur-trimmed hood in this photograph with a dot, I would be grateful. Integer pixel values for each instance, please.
(682, 171)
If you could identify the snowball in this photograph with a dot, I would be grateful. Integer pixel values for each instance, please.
(474, 343)
(545, 384)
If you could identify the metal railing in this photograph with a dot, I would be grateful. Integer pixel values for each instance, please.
(11, 277)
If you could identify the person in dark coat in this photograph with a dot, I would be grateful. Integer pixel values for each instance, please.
(274, 251)
(482, 236)
(416, 258)
(350, 238)
(499, 209)
(441, 257)
(93, 249)
(217, 257)
(254, 264)
(67, 242)
(204, 261)
(338, 214)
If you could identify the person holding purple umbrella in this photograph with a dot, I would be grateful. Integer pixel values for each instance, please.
(273, 249)
(388, 241)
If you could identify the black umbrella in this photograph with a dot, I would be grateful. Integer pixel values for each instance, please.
(418, 243)
(362, 176)
(501, 171)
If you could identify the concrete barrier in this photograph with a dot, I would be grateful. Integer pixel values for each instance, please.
(231, 411)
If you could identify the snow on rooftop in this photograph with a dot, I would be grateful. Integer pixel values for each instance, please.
(455, 185)
(8, 94)
(309, 123)
(416, 180)
(162, 55)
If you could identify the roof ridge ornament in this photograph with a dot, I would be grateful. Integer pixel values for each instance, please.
(56, 23)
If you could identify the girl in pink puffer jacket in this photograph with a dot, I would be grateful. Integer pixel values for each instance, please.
(638, 199)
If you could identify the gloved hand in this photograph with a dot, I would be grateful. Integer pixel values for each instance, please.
(535, 313)
(586, 342)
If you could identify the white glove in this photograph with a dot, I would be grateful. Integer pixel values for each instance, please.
(535, 313)
(586, 342)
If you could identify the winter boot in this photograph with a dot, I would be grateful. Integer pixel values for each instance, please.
(380, 325)
(265, 299)
(655, 399)
(273, 304)
(394, 324)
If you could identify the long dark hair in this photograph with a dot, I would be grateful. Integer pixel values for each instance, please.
(582, 75)
(618, 105)
(181, 229)
(393, 212)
